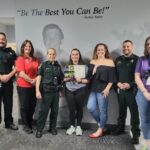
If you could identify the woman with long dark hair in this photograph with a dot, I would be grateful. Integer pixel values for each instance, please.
(27, 67)
(75, 93)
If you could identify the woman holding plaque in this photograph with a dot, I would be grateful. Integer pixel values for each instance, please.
(103, 76)
(75, 91)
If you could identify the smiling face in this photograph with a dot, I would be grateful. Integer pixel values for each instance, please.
(100, 51)
(75, 56)
(148, 46)
(27, 49)
(51, 55)
(127, 48)
(3, 41)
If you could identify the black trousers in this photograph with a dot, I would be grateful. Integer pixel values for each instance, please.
(50, 101)
(126, 98)
(6, 96)
(27, 99)
(75, 102)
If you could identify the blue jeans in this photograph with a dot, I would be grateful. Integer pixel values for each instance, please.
(97, 106)
(144, 111)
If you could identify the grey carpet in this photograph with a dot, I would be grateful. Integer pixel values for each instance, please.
(18, 140)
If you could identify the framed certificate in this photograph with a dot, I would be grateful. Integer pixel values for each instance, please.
(79, 70)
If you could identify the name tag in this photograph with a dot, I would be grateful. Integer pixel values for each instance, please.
(148, 81)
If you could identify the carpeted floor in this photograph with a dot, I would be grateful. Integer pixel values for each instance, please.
(18, 140)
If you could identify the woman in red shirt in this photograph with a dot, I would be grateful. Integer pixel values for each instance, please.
(27, 67)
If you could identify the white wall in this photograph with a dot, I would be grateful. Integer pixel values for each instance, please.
(10, 32)
(7, 14)
(125, 20)
(2, 28)
(7, 8)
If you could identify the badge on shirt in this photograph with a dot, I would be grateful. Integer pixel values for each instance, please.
(132, 60)
(148, 81)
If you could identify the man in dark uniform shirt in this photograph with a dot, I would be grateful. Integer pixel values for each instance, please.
(126, 89)
(7, 58)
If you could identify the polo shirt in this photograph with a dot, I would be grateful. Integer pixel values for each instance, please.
(29, 66)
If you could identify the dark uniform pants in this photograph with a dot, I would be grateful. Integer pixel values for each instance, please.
(126, 98)
(6, 95)
(50, 101)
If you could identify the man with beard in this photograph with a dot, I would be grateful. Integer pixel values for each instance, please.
(126, 90)
(7, 58)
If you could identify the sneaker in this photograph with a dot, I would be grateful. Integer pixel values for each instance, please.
(71, 130)
(78, 131)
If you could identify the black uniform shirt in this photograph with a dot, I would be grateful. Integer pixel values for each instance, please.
(125, 68)
(49, 72)
(7, 59)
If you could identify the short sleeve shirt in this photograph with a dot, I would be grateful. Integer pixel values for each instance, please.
(29, 66)
(142, 67)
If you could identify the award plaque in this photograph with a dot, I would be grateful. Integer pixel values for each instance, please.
(70, 71)
(77, 71)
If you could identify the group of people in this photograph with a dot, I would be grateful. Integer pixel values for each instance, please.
(128, 74)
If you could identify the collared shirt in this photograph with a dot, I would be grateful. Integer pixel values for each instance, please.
(49, 71)
(125, 67)
(29, 66)
(7, 59)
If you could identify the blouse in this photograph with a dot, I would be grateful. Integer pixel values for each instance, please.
(103, 76)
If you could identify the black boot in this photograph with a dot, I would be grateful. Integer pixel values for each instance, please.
(38, 134)
(53, 131)
(135, 140)
(119, 130)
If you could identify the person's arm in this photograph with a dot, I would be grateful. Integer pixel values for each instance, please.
(109, 85)
(141, 86)
(81, 80)
(107, 89)
(6, 77)
(38, 92)
(67, 79)
(20, 67)
(132, 84)
(26, 77)
(139, 82)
